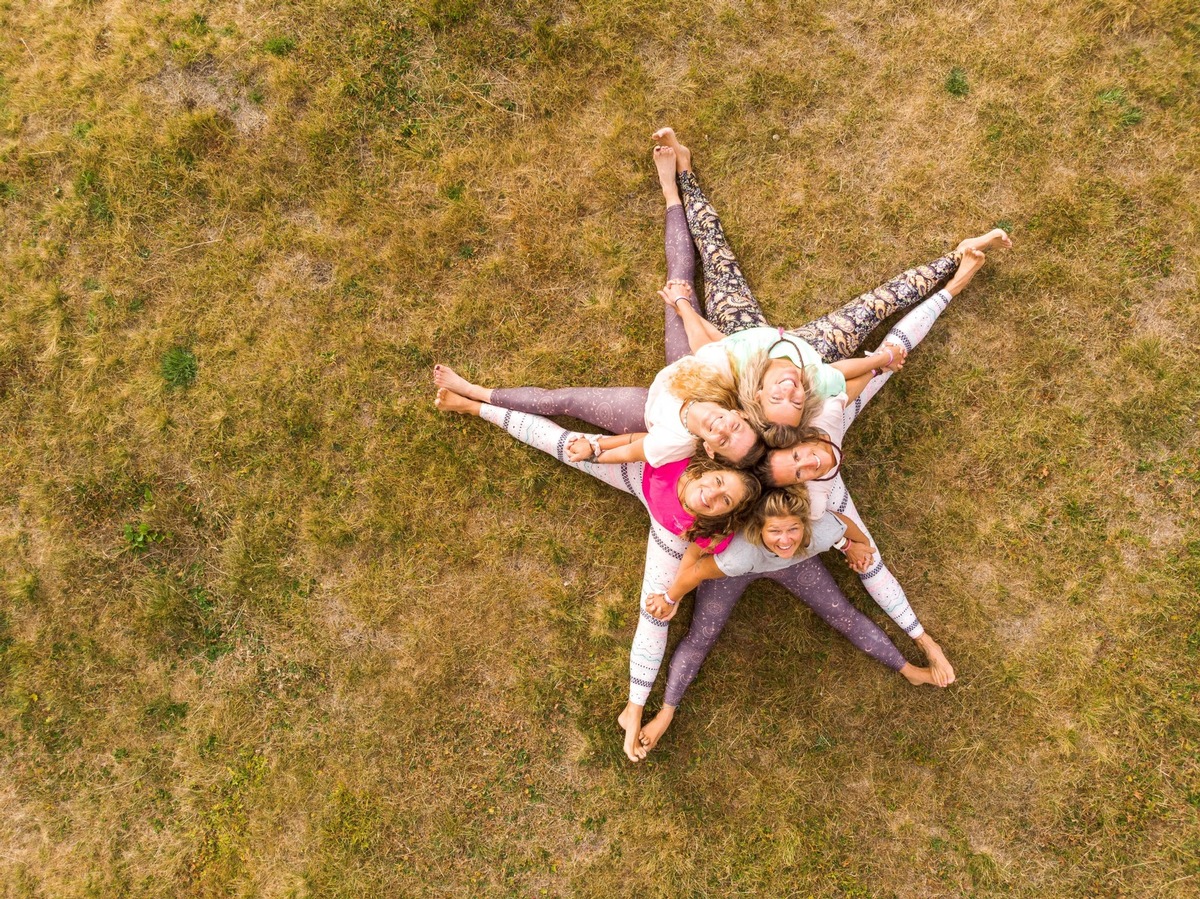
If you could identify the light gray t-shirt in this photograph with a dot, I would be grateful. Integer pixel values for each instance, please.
(743, 557)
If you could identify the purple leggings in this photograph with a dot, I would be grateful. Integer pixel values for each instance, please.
(811, 582)
(618, 410)
(621, 410)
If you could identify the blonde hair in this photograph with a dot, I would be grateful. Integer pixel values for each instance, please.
(694, 381)
(697, 381)
(789, 502)
(750, 383)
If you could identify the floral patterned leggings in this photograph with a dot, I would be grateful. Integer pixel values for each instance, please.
(732, 307)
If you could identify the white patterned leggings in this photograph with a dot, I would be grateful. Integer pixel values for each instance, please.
(664, 550)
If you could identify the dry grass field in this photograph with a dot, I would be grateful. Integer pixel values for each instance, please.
(271, 626)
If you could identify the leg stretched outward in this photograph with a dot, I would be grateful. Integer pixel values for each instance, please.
(664, 550)
(839, 334)
(731, 306)
(618, 410)
(681, 255)
(811, 583)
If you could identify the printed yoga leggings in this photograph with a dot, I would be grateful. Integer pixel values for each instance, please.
(664, 550)
(809, 581)
(837, 335)
(618, 410)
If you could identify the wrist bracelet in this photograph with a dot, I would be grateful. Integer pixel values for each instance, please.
(670, 602)
(841, 545)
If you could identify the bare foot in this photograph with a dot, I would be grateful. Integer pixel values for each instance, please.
(653, 731)
(917, 676)
(449, 401)
(445, 376)
(939, 665)
(972, 261)
(631, 722)
(664, 161)
(993, 240)
(683, 156)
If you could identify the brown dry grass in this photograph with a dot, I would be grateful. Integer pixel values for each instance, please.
(349, 647)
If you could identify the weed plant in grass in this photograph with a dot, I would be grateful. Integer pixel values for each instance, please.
(271, 626)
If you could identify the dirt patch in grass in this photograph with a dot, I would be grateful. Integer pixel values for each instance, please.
(206, 84)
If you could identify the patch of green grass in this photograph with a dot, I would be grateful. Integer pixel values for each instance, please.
(179, 367)
(279, 46)
(140, 537)
(956, 82)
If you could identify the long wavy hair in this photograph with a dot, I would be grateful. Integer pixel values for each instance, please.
(750, 383)
(696, 381)
(716, 527)
(788, 502)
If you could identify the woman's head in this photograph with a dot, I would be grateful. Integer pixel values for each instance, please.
(710, 405)
(814, 457)
(780, 522)
(777, 397)
(719, 497)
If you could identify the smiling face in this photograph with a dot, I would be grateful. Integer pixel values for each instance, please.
(802, 462)
(713, 493)
(722, 431)
(782, 393)
(781, 534)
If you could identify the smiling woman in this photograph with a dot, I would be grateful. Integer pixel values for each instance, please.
(688, 500)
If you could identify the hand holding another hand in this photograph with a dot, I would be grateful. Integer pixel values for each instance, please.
(859, 556)
(658, 606)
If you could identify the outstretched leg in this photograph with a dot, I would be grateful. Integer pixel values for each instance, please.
(681, 255)
(839, 334)
(811, 582)
(731, 306)
(888, 594)
(543, 434)
(664, 551)
(618, 410)
(911, 330)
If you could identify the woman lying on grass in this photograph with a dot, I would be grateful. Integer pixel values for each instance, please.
(771, 390)
(781, 543)
(686, 406)
(687, 500)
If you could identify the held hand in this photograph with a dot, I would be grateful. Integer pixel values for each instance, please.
(674, 291)
(899, 355)
(859, 556)
(657, 605)
(579, 450)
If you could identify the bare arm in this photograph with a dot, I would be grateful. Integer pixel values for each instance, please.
(890, 356)
(700, 331)
(855, 387)
(697, 566)
(612, 450)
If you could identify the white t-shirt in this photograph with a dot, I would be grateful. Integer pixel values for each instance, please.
(831, 420)
(743, 557)
(667, 440)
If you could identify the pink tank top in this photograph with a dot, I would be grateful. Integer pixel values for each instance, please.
(660, 487)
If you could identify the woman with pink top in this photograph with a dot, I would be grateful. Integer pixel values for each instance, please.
(688, 500)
